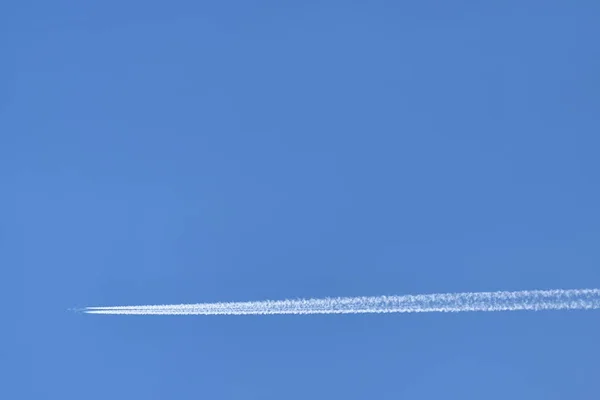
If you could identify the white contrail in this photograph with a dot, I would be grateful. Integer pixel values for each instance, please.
(532, 300)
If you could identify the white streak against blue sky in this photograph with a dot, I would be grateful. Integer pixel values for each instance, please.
(531, 300)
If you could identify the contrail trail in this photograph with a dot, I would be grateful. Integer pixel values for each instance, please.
(531, 300)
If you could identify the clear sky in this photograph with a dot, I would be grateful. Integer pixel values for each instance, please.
(189, 151)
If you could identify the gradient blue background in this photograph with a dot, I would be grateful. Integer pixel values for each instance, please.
(168, 152)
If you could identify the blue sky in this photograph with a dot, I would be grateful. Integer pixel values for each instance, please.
(155, 152)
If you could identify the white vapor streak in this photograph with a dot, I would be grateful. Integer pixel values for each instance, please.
(532, 300)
